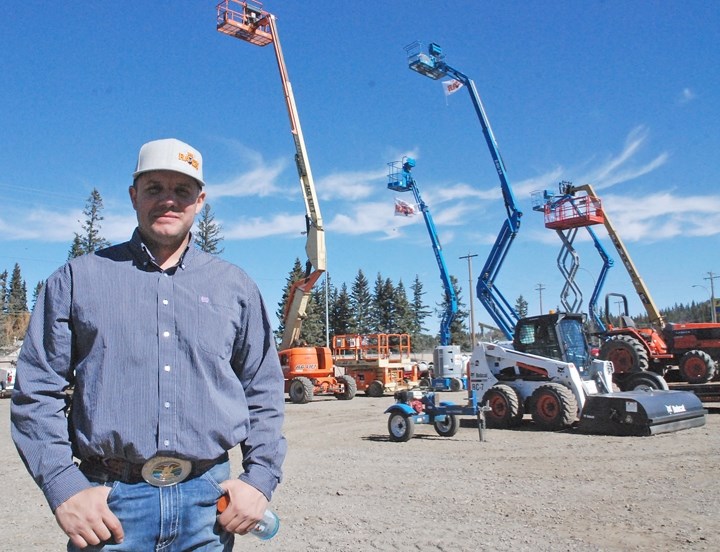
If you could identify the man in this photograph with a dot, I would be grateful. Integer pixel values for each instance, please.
(171, 357)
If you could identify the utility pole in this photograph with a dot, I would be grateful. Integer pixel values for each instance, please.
(472, 303)
(712, 277)
(540, 289)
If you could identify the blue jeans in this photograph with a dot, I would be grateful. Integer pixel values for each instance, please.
(169, 519)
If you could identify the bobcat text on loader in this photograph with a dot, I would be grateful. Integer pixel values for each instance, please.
(550, 374)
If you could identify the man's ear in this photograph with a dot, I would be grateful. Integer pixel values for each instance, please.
(132, 190)
(200, 202)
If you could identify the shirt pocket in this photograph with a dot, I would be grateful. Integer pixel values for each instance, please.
(216, 328)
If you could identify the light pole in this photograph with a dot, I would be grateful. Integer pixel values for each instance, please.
(712, 310)
(712, 277)
(540, 289)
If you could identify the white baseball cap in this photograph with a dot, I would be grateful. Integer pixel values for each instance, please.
(170, 154)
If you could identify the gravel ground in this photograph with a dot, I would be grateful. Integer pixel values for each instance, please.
(348, 487)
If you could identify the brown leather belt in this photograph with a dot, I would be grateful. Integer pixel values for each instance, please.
(158, 471)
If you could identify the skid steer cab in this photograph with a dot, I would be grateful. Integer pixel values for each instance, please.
(550, 374)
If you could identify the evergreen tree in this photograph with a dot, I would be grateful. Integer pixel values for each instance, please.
(361, 303)
(342, 319)
(404, 320)
(90, 240)
(383, 305)
(459, 334)
(296, 274)
(15, 315)
(3, 292)
(17, 293)
(419, 309)
(208, 235)
(521, 306)
(36, 292)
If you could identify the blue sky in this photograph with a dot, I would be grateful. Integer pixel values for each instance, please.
(622, 95)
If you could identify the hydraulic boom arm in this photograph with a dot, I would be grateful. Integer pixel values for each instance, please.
(401, 180)
(248, 21)
(502, 312)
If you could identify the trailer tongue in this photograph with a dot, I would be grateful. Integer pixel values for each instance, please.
(641, 413)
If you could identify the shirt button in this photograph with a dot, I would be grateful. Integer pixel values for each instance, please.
(165, 301)
(166, 334)
(167, 367)
(167, 405)
(166, 443)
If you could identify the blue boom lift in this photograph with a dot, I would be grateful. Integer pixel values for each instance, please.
(432, 64)
(449, 370)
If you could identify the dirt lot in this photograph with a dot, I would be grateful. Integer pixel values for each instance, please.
(347, 487)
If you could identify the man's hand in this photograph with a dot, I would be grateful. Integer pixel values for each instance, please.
(246, 507)
(87, 519)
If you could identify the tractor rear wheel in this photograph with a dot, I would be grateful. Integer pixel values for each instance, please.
(448, 427)
(301, 390)
(626, 353)
(644, 381)
(349, 388)
(375, 389)
(505, 407)
(401, 427)
(553, 407)
(697, 367)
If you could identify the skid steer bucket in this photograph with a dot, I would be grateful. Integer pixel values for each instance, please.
(641, 413)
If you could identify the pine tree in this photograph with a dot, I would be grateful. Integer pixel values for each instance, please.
(296, 273)
(342, 319)
(361, 303)
(459, 334)
(36, 292)
(208, 235)
(404, 319)
(91, 240)
(521, 306)
(17, 315)
(383, 305)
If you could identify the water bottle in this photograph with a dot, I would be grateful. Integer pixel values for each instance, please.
(265, 529)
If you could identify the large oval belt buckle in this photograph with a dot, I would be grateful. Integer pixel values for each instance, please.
(164, 471)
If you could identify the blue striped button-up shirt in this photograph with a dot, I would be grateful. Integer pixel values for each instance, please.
(179, 363)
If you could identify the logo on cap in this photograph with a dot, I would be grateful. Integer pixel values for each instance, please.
(189, 158)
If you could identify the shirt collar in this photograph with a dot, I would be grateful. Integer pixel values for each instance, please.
(141, 251)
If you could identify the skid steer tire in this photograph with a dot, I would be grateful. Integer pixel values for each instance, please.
(448, 427)
(349, 388)
(697, 367)
(553, 407)
(626, 353)
(301, 390)
(506, 409)
(401, 427)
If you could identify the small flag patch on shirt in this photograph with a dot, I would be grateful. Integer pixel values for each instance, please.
(204, 299)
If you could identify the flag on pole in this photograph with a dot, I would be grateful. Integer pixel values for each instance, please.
(404, 209)
(452, 86)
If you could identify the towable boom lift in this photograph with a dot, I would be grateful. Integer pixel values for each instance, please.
(449, 369)
(308, 370)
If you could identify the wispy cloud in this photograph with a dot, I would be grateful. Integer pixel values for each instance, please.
(280, 224)
(351, 185)
(687, 95)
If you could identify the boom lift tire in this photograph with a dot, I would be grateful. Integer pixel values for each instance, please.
(456, 384)
(301, 390)
(401, 427)
(644, 381)
(626, 353)
(506, 409)
(553, 407)
(349, 388)
(375, 389)
(448, 427)
(697, 367)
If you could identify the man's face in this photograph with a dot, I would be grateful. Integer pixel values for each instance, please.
(166, 203)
